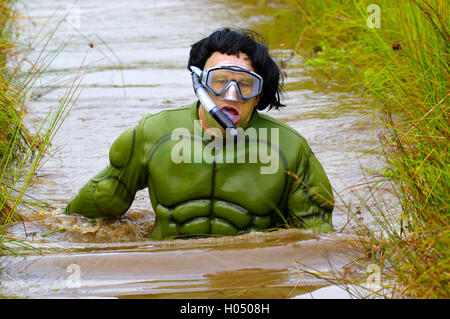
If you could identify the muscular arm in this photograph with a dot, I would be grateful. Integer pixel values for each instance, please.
(111, 192)
(310, 199)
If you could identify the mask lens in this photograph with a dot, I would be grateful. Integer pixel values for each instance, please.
(246, 85)
(218, 81)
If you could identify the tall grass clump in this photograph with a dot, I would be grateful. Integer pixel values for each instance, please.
(9, 103)
(21, 153)
(397, 54)
(9, 92)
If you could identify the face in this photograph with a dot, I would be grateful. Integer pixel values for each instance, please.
(240, 110)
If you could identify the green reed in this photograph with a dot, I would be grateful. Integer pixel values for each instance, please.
(21, 153)
(403, 65)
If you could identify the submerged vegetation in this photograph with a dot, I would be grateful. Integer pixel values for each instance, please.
(396, 53)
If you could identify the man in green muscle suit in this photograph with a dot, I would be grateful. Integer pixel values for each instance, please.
(201, 179)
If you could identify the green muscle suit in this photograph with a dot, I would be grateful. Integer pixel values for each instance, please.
(196, 189)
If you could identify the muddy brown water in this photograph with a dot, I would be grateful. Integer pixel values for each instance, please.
(135, 55)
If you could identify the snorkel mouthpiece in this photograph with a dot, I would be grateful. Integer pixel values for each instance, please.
(208, 103)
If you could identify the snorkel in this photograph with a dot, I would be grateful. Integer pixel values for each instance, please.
(208, 103)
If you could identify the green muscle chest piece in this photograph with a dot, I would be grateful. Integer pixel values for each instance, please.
(230, 198)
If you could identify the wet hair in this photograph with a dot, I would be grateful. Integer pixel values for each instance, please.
(228, 41)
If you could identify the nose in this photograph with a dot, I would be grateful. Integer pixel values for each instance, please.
(231, 94)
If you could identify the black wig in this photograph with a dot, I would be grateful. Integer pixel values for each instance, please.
(228, 41)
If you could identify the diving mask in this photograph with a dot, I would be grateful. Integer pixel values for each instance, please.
(227, 80)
